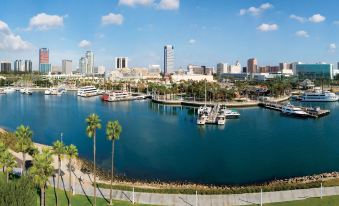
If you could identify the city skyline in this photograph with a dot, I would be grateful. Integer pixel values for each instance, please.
(225, 31)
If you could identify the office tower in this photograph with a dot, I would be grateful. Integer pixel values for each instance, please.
(90, 62)
(28, 66)
(221, 68)
(17, 65)
(121, 62)
(83, 65)
(168, 58)
(6, 66)
(67, 66)
(252, 65)
(44, 65)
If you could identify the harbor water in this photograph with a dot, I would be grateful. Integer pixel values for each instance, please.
(161, 142)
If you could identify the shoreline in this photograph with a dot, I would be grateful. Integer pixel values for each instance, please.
(234, 104)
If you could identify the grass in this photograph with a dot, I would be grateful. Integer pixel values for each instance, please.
(328, 201)
(78, 200)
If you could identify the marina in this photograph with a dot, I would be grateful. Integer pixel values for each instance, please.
(289, 109)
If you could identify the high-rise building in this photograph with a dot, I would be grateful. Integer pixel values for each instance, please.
(44, 65)
(101, 70)
(67, 66)
(83, 65)
(5, 66)
(221, 68)
(121, 62)
(90, 62)
(252, 65)
(168, 58)
(28, 66)
(314, 71)
(17, 65)
(234, 69)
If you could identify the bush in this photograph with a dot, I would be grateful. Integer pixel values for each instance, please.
(17, 192)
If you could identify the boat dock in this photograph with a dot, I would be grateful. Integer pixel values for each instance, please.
(310, 111)
(212, 117)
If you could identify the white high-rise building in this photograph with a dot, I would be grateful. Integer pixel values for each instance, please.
(90, 62)
(221, 68)
(67, 66)
(101, 69)
(121, 62)
(83, 65)
(168, 58)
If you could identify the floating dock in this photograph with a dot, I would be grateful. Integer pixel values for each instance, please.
(310, 111)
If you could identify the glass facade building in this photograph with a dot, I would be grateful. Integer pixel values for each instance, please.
(45, 68)
(314, 71)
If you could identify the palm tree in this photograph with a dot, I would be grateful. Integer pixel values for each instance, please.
(113, 131)
(24, 143)
(8, 162)
(93, 123)
(59, 150)
(72, 152)
(40, 171)
(3, 149)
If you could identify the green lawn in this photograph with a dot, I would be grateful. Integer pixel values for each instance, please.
(326, 201)
(78, 200)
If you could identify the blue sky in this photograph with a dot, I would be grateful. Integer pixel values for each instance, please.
(202, 32)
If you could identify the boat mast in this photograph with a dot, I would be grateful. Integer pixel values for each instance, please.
(205, 93)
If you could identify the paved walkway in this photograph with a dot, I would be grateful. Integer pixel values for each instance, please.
(202, 200)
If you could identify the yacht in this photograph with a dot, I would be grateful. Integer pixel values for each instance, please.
(119, 96)
(231, 114)
(26, 91)
(319, 96)
(202, 119)
(87, 91)
(54, 91)
(9, 90)
(221, 119)
(290, 109)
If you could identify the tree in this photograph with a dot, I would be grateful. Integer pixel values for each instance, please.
(113, 131)
(72, 152)
(24, 143)
(59, 150)
(93, 123)
(8, 162)
(40, 171)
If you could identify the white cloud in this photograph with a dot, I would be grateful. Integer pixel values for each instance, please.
(169, 4)
(112, 18)
(45, 21)
(302, 33)
(136, 2)
(317, 18)
(298, 18)
(192, 41)
(332, 47)
(267, 27)
(84, 44)
(10, 41)
(255, 11)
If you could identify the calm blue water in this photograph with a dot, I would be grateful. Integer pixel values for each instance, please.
(163, 142)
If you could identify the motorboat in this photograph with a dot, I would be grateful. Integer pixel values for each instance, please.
(87, 91)
(221, 119)
(290, 109)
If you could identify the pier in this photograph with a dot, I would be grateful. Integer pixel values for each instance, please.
(212, 117)
(310, 111)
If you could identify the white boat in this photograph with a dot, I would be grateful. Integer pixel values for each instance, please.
(290, 109)
(87, 91)
(26, 91)
(230, 114)
(202, 119)
(54, 91)
(319, 95)
(221, 119)
(48, 92)
(9, 90)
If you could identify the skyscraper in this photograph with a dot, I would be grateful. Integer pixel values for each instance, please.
(221, 68)
(28, 66)
(121, 62)
(90, 62)
(83, 65)
(252, 65)
(67, 66)
(168, 58)
(17, 65)
(5, 66)
(44, 66)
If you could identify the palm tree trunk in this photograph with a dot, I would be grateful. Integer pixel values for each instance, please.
(42, 196)
(110, 192)
(70, 180)
(95, 183)
(7, 175)
(23, 163)
(58, 181)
